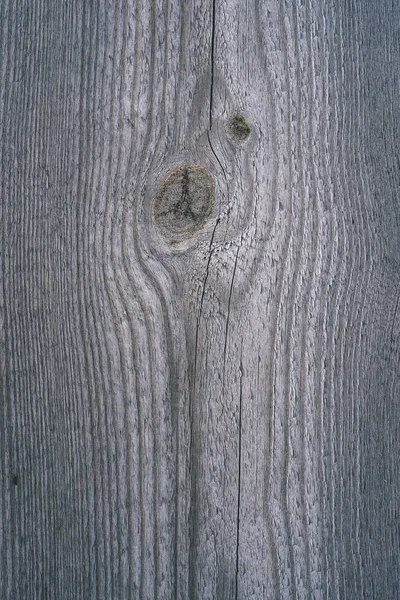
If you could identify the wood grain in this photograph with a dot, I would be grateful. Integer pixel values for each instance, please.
(216, 415)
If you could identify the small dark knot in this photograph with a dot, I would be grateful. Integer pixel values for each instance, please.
(238, 128)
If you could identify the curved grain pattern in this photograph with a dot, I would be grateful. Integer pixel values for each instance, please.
(216, 415)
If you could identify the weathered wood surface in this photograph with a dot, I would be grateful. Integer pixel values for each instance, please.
(216, 417)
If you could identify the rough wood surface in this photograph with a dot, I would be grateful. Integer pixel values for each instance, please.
(209, 410)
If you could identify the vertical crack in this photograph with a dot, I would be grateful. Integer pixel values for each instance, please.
(239, 473)
(229, 309)
(194, 444)
(212, 58)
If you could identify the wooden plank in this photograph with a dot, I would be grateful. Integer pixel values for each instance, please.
(200, 299)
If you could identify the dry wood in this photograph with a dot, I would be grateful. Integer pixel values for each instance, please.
(200, 322)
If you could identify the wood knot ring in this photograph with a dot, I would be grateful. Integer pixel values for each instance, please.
(183, 203)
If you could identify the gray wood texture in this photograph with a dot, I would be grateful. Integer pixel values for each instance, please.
(211, 413)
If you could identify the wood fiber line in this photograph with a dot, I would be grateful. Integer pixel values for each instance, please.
(215, 414)
(353, 418)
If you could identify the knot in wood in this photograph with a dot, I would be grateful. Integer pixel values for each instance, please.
(184, 202)
(238, 128)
